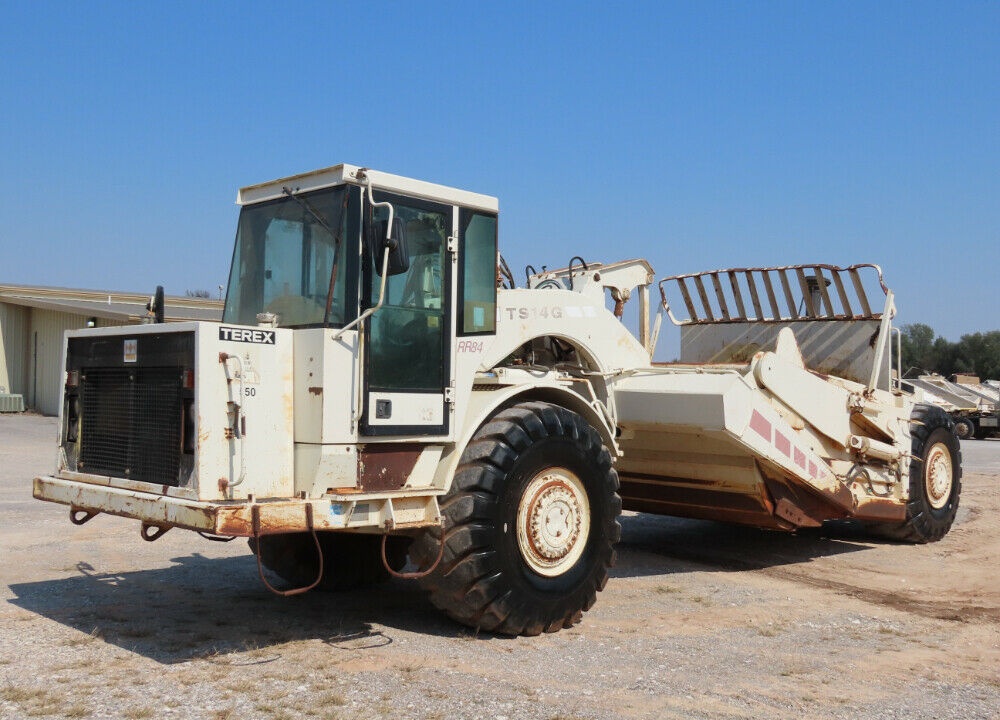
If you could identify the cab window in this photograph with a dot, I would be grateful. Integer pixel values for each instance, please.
(477, 280)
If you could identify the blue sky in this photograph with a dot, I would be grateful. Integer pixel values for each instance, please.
(699, 135)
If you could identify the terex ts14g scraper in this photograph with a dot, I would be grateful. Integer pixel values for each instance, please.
(380, 391)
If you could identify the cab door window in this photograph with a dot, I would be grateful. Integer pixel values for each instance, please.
(408, 336)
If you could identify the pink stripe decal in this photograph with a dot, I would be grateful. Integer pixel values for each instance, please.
(760, 425)
(783, 444)
(813, 470)
(800, 458)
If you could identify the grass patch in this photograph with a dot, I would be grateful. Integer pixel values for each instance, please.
(77, 640)
(38, 701)
(77, 664)
(771, 629)
(140, 713)
(242, 685)
(332, 697)
(795, 669)
(21, 695)
(279, 713)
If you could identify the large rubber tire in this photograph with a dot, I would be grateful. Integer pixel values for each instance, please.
(530, 524)
(350, 560)
(935, 478)
(965, 429)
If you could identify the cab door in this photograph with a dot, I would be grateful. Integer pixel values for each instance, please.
(407, 342)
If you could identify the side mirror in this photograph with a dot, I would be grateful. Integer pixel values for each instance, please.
(154, 308)
(399, 256)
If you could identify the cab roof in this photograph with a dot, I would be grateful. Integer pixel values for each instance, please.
(340, 174)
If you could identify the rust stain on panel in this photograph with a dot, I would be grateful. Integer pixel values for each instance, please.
(881, 509)
(386, 467)
(316, 390)
(827, 503)
(805, 505)
(787, 510)
(700, 512)
(681, 497)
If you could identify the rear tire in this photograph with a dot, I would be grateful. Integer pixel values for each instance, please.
(530, 524)
(935, 478)
(965, 429)
(350, 560)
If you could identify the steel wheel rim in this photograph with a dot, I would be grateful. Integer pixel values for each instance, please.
(938, 476)
(553, 521)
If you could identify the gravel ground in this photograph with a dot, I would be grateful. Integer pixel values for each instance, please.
(700, 620)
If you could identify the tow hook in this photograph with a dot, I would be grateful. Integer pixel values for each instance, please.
(152, 533)
(79, 517)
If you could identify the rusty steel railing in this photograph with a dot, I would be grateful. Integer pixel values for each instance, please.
(774, 294)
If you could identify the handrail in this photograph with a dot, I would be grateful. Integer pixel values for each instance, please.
(385, 259)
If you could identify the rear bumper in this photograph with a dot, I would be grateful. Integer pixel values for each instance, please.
(381, 513)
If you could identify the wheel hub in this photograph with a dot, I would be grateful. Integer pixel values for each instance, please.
(938, 476)
(553, 521)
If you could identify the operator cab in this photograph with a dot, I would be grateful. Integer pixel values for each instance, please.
(310, 251)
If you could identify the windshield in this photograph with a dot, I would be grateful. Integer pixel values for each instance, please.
(290, 260)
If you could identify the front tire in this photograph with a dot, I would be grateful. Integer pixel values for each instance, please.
(530, 524)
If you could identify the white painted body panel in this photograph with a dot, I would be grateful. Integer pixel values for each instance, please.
(723, 404)
(581, 319)
(260, 382)
(326, 388)
(267, 381)
(409, 408)
(339, 174)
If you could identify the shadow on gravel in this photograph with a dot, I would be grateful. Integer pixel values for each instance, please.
(656, 545)
(202, 608)
(206, 607)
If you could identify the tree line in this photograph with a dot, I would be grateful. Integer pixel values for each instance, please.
(923, 352)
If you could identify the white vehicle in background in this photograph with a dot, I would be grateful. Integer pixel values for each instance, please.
(372, 395)
(971, 404)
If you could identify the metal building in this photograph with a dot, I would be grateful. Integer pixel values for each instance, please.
(32, 322)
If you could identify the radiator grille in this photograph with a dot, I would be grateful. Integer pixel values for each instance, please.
(131, 423)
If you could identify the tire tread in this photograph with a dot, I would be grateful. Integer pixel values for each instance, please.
(468, 585)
